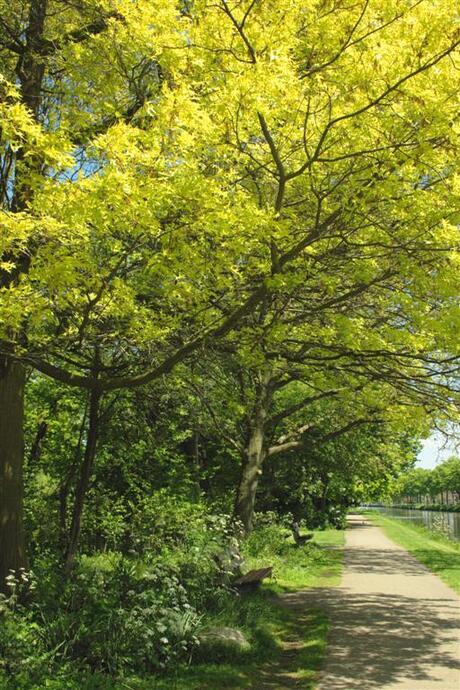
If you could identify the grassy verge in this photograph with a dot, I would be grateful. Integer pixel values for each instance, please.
(245, 671)
(294, 568)
(436, 552)
(265, 622)
(270, 627)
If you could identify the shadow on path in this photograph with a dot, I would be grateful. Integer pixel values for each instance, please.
(384, 562)
(377, 638)
(393, 624)
(381, 638)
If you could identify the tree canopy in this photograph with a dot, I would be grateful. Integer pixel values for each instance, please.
(229, 260)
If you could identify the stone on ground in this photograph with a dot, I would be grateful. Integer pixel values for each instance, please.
(224, 637)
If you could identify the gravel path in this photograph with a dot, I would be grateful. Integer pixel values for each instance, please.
(394, 625)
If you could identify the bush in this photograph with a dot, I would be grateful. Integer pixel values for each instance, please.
(337, 517)
(112, 618)
(136, 611)
(23, 653)
(126, 619)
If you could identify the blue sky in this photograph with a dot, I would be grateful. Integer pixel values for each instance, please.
(435, 449)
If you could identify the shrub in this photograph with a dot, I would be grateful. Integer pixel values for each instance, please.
(113, 618)
(22, 650)
(121, 612)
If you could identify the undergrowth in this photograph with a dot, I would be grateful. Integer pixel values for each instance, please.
(132, 625)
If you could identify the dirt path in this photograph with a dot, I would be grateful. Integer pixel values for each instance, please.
(394, 625)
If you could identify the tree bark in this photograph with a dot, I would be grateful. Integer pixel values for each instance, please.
(30, 67)
(65, 486)
(83, 482)
(251, 471)
(195, 453)
(36, 450)
(323, 499)
(254, 456)
(12, 540)
(30, 71)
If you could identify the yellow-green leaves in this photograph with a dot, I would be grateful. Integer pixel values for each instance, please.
(193, 156)
(20, 131)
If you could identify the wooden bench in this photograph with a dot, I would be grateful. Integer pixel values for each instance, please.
(254, 577)
(300, 539)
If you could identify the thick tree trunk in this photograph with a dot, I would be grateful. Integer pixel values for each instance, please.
(12, 541)
(30, 72)
(83, 482)
(253, 459)
(251, 471)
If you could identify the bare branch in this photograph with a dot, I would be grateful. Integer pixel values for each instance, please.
(239, 26)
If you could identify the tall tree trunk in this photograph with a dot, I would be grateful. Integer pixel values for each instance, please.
(203, 480)
(195, 454)
(66, 484)
(36, 450)
(12, 541)
(323, 499)
(251, 471)
(83, 482)
(30, 72)
(254, 457)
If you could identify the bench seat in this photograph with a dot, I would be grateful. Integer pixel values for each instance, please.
(254, 577)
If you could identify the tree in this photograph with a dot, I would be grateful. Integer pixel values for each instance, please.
(50, 50)
(420, 482)
(286, 409)
(76, 238)
(325, 476)
(416, 483)
(287, 176)
(452, 472)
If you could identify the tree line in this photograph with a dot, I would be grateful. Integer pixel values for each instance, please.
(440, 484)
(228, 298)
(229, 234)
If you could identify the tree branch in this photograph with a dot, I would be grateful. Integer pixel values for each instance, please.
(181, 353)
(390, 89)
(47, 47)
(240, 28)
(276, 418)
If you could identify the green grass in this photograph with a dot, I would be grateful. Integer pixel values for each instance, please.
(317, 564)
(244, 671)
(260, 615)
(263, 619)
(265, 622)
(436, 552)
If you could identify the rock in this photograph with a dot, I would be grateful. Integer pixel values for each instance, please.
(230, 638)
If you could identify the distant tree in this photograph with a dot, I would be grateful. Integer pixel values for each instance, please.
(452, 474)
